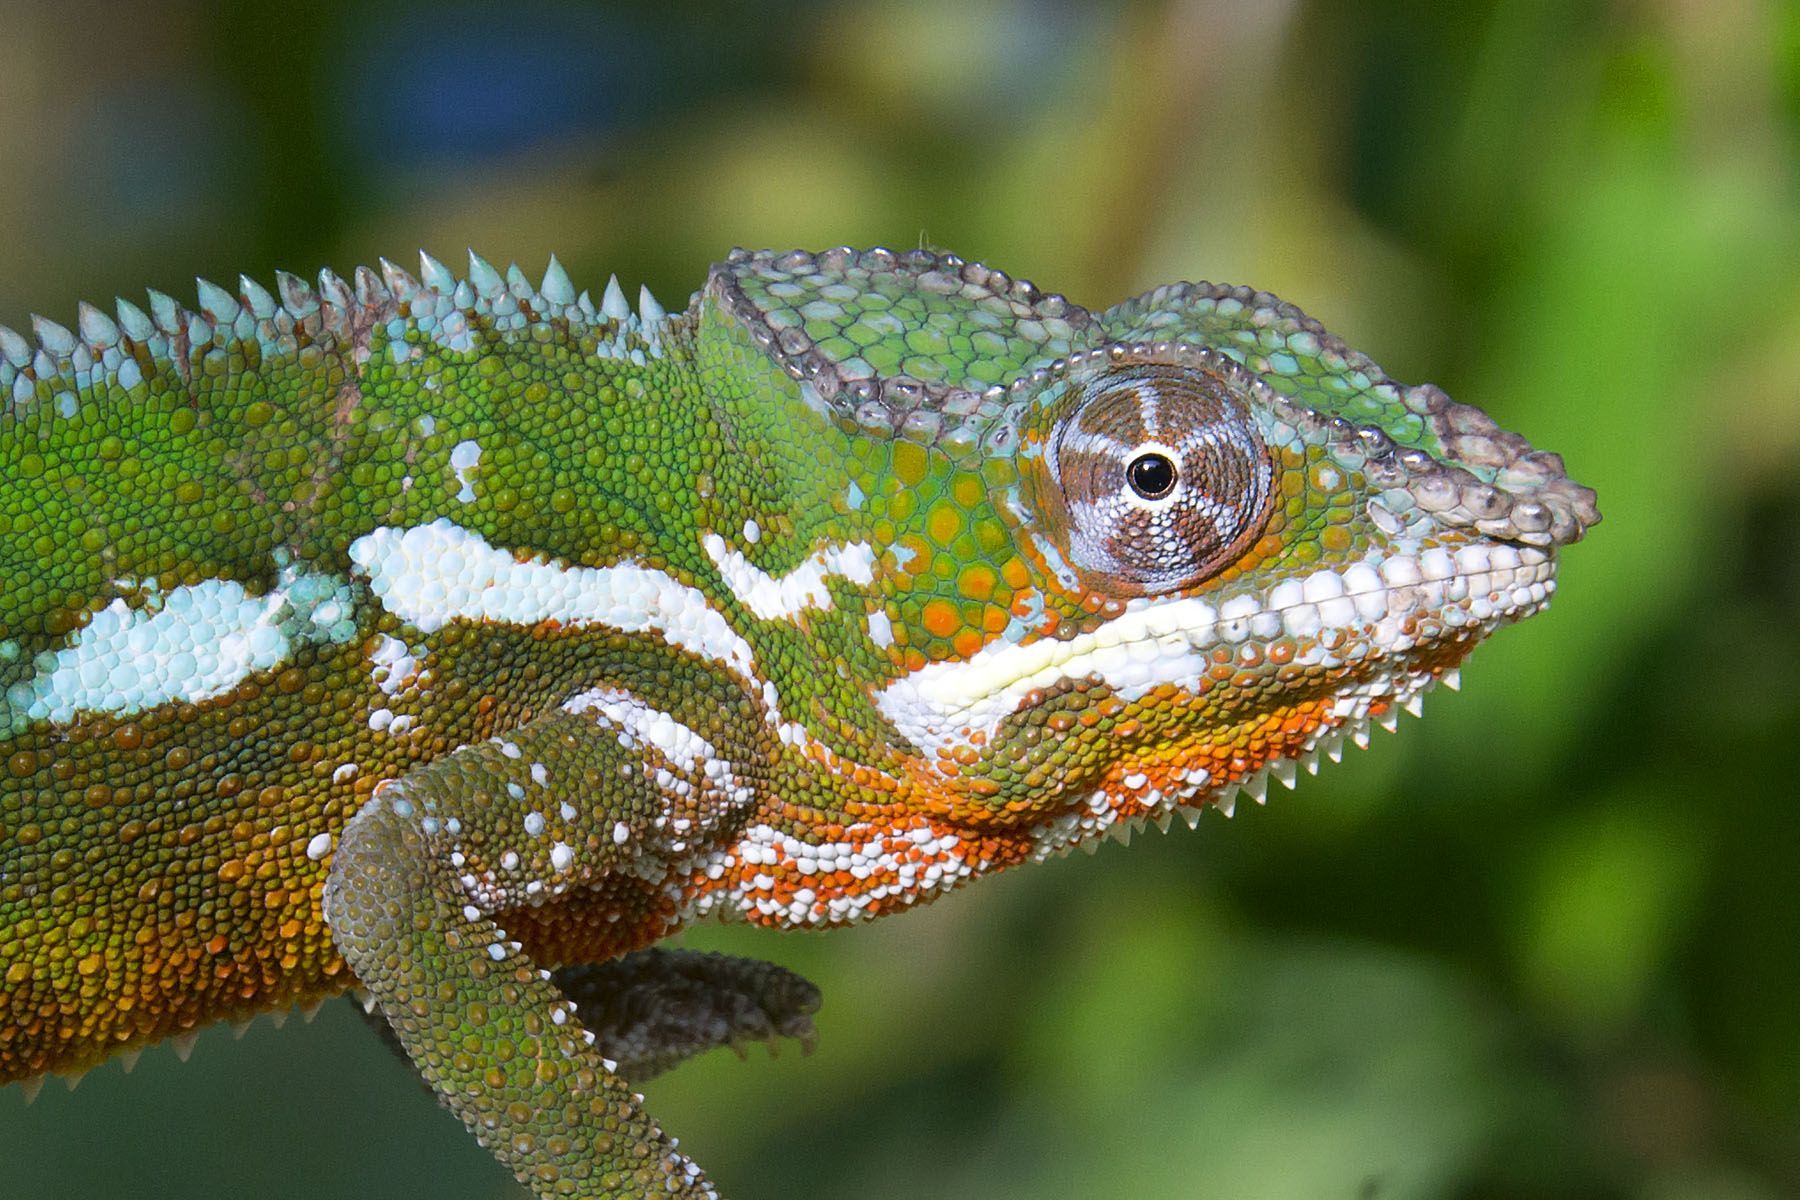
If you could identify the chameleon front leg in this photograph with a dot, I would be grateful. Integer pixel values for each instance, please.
(427, 871)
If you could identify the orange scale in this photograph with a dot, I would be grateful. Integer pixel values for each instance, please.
(940, 618)
(1303, 722)
(967, 642)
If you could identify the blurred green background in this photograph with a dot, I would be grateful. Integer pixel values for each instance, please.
(1544, 944)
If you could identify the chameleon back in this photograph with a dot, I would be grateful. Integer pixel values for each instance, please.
(195, 690)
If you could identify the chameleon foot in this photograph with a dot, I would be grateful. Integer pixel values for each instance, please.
(656, 1008)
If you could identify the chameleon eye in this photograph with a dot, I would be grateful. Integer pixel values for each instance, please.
(1164, 477)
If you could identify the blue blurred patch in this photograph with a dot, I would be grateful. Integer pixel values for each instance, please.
(487, 80)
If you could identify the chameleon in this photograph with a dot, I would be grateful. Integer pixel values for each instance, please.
(454, 641)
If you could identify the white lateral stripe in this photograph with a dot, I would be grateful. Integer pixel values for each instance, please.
(639, 724)
(628, 714)
(1168, 641)
(800, 589)
(433, 574)
(193, 643)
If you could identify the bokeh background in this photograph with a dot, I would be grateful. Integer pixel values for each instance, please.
(1544, 944)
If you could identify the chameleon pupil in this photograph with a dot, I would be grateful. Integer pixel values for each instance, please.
(1152, 476)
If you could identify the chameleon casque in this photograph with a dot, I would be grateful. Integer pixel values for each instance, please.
(458, 640)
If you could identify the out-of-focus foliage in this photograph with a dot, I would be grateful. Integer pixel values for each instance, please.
(1545, 944)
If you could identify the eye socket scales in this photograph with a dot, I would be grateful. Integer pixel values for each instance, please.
(1163, 474)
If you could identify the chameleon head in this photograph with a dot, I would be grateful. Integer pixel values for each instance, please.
(1171, 548)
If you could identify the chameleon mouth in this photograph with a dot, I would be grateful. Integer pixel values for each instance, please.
(1380, 607)
(1123, 805)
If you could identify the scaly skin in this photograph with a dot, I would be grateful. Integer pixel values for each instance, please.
(426, 634)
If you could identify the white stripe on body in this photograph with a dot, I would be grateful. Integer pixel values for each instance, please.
(189, 644)
(433, 574)
(800, 589)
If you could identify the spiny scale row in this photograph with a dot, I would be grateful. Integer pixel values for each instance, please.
(1327, 743)
(338, 309)
(182, 1043)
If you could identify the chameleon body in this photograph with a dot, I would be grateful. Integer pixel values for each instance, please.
(429, 635)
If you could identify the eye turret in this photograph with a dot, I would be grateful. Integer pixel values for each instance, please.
(1163, 476)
